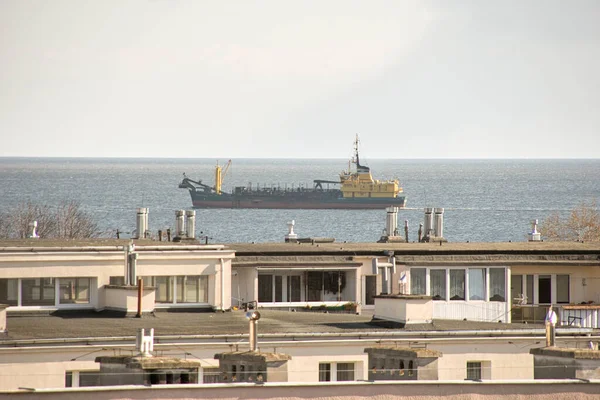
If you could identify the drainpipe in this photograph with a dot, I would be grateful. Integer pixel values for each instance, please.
(222, 284)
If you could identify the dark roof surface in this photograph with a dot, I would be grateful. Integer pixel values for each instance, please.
(106, 324)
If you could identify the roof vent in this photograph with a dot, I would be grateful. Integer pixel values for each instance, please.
(291, 236)
(534, 235)
(32, 234)
(145, 343)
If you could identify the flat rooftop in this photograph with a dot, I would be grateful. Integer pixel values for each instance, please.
(90, 324)
(329, 248)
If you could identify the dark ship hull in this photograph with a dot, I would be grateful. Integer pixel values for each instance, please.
(307, 199)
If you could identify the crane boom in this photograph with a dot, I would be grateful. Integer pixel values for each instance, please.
(219, 175)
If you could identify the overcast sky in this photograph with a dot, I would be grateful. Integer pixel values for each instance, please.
(255, 79)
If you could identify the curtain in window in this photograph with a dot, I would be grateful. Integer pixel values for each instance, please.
(192, 289)
(37, 292)
(324, 372)
(437, 288)
(457, 284)
(497, 284)
(476, 283)
(74, 290)
(164, 289)
(417, 281)
(345, 372)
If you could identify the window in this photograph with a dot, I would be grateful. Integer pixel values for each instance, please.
(278, 288)
(529, 293)
(336, 372)
(118, 281)
(497, 284)
(417, 281)
(68, 379)
(516, 287)
(345, 372)
(474, 370)
(210, 375)
(265, 288)
(411, 367)
(188, 288)
(545, 289)
(437, 287)
(562, 289)
(164, 289)
(324, 372)
(38, 292)
(74, 290)
(476, 284)
(457, 284)
(192, 289)
(294, 288)
(370, 289)
(9, 291)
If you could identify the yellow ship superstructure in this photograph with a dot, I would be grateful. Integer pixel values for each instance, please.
(360, 184)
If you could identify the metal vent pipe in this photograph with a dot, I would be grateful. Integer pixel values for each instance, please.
(439, 222)
(180, 223)
(190, 224)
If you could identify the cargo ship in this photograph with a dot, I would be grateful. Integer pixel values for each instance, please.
(355, 189)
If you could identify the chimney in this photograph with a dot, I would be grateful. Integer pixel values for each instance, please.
(391, 221)
(180, 223)
(428, 224)
(32, 234)
(291, 236)
(438, 217)
(190, 224)
(141, 223)
(130, 264)
(534, 235)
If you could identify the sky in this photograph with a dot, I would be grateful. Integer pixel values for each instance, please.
(299, 79)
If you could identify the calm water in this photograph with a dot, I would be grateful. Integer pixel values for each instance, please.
(485, 200)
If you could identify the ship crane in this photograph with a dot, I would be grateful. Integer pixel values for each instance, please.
(219, 175)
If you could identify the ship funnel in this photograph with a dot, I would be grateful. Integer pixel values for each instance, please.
(190, 224)
(141, 223)
(32, 234)
(534, 235)
(180, 223)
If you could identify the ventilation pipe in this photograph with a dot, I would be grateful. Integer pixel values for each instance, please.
(180, 223)
(190, 224)
(291, 236)
(406, 230)
(141, 223)
(253, 317)
(534, 235)
(32, 234)
(428, 224)
(391, 221)
(439, 222)
(130, 264)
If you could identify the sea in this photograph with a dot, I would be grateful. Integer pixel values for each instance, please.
(484, 200)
